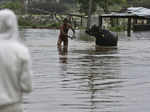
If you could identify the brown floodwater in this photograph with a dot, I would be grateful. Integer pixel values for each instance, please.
(86, 78)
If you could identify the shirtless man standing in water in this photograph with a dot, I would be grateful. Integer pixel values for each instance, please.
(63, 36)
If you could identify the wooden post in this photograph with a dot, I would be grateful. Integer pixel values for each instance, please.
(134, 21)
(81, 21)
(129, 27)
(100, 21)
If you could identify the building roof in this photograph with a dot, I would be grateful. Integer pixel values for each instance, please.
(140, 12)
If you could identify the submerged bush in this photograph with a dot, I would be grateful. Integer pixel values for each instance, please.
(117, 28)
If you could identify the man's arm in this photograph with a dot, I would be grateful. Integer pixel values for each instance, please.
(70, 26)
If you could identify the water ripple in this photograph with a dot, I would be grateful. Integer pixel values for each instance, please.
(87, 78)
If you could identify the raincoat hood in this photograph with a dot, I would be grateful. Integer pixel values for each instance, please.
(8, 25)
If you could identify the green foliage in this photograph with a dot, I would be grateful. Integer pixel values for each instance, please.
(15, 6)
(84, 6)
(107, 5)
(104, 4)
(117, 28)
(24, 22)
(54, 25)
(46, 8)
(139, 3)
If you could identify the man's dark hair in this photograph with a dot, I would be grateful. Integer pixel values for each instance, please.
(65, 20)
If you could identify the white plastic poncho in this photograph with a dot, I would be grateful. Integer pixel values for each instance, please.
(15, 73)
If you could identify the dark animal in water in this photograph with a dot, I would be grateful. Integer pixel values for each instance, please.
(103, 36)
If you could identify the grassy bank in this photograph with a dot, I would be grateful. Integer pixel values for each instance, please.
(30, 22)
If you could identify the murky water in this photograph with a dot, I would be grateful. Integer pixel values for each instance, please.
(87, 79)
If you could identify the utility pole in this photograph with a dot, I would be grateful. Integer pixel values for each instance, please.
(89, 14)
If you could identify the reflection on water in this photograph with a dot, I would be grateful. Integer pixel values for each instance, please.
(86, 78)
(63, 51)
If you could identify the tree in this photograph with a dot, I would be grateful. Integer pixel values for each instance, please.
(84, 6)
(107, 5)
(46, 7)
(104, 4)
(139, 3)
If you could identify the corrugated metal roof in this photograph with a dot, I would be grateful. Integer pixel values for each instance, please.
(131, 12)
(139, 11)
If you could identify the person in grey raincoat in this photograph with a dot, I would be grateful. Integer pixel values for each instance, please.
(15, 64)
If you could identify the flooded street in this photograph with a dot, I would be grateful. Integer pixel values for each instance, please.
(87, 79)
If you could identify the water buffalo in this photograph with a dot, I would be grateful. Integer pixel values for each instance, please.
(103, 36)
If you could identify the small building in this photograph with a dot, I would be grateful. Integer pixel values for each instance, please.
(133, 14)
